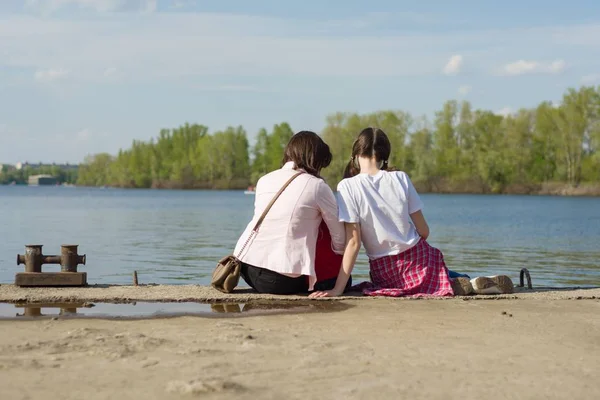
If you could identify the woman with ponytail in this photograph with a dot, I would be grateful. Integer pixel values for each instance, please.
(382, 209)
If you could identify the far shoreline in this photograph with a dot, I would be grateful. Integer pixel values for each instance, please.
(543, 190)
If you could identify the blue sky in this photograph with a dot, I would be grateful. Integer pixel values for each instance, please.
(86, 76)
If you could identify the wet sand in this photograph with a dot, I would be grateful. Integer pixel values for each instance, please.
(544, 344)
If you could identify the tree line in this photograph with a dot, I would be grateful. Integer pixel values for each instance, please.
(461, 150)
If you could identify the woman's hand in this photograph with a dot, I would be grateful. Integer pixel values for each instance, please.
(326, 293)
(352, 247)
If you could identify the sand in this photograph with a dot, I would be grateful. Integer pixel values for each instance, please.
(544, 344)
(119, 293)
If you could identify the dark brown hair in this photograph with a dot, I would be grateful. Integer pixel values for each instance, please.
(371, 142)
(308, 151)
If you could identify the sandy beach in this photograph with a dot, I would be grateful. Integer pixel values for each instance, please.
(528, 345)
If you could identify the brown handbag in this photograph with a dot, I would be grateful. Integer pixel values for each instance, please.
(226, 275)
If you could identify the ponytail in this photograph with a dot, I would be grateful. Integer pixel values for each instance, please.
(371, 142)
(351, 169)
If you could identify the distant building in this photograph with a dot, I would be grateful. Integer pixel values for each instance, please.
(40, 180)
(26, 164)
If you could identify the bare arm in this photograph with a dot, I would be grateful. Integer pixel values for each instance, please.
(352, 248)
(420, 224)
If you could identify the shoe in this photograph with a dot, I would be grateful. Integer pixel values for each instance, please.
(461, 286)
(497, 284)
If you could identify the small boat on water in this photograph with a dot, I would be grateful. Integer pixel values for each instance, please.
(251, 190)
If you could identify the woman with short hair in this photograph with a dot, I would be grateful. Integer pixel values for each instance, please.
(280, 257)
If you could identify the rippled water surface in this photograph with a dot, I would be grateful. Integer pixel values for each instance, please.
(176, 237)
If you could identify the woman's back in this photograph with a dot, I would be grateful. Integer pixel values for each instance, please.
(382, 205)
(286, 239)
(381, 209)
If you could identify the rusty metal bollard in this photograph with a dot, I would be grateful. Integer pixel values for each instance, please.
(34, 259)
(69, 258)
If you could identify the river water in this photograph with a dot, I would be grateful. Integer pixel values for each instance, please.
(176, 237)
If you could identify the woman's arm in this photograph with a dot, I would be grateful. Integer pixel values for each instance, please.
(352, 247)
(414, 204)
(420, 224)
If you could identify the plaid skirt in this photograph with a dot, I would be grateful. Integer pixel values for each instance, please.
(418, 272)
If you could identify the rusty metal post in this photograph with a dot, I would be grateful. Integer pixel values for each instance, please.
(69, 258)
(68, 311)
(32, 312)
(32, 258)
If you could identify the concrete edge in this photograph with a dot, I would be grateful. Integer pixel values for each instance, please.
(196, 293)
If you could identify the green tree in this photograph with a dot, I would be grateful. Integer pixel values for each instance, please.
(446, 152)
(576, 119)
(463, 150)
(261, 163)
(490, 150)
(421, 166)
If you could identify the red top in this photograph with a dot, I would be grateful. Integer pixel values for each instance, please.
(327, 263)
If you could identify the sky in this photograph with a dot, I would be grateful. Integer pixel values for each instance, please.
(79, 77)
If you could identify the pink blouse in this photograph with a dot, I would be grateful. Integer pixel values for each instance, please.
(286, 240)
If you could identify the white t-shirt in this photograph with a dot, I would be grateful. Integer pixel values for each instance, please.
(382, 205)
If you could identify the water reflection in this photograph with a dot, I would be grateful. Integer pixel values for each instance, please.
(58, 309)
(138, 310)
(278, 307)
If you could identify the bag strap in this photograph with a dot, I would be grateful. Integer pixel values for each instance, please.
(264, 214)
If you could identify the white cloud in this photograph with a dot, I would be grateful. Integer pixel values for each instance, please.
(150, 6)
(453, 65)
(204, 44)
(50, 75)
(505, 112)
(110, 71)
(83, 134)
(178, 45)
(377, 19)
(578, 35)
(49, 6)
(182, 3)
(464, 90)
(590, 79)
(523, 67)
(239, 88)
(235, 88)
(520, 67)
(556, 67)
